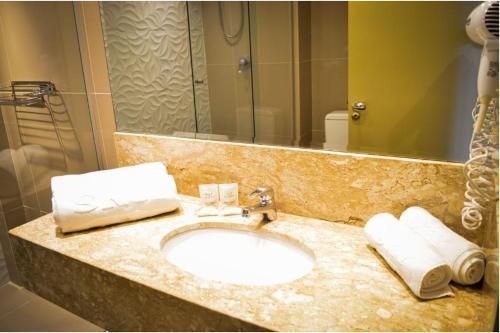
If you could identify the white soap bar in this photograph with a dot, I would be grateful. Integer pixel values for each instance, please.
(207, 211)
(230, 210)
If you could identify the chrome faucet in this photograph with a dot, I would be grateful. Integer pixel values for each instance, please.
(266, 205)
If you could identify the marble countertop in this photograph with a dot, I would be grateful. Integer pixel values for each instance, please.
(349, 289)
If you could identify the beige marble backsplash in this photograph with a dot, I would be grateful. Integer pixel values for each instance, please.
(340, 187)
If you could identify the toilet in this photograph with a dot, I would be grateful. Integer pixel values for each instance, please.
(336, 133)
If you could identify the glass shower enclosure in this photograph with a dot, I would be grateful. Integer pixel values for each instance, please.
(242, 65)
(45, 123)
(206, 69)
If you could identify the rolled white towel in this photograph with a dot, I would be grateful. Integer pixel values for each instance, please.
(112, 196)
(423, 270)
(491, 269)
(465, 258)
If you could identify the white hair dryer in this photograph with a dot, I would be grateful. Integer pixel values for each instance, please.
(482, 28)
(481, 170)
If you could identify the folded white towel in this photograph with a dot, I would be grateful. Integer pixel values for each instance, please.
(465, 258)
(112, 196)
(423, 270)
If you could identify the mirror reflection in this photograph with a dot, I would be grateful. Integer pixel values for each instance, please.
(390, 78)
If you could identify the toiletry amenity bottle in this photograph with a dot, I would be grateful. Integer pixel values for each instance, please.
(228, 194)
(209, 195)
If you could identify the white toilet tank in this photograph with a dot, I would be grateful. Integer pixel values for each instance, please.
(336, 130)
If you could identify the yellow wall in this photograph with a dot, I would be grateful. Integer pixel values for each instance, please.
(415, 68)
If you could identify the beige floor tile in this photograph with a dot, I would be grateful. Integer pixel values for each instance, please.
(41, 315)
(11, 298)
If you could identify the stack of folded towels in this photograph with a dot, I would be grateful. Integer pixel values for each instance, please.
(424, 252)
(107, 197)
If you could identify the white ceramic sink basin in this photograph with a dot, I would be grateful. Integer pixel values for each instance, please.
(238, 256)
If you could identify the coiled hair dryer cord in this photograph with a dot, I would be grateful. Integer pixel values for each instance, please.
(481, 170)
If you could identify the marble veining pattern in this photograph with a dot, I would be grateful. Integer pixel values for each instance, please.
(347, 188)
(350, 288)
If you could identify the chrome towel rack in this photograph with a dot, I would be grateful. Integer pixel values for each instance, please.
(27, 93)
(43, 119)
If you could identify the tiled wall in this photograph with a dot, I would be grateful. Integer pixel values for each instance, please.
(36, 50)
(230, 93)
(40, 42)
(4, 273)
(302, 72)
(328, 63)
(6, 254)
(147, 47)
(199, 63)
(318, 65)
(88, 19)
(10, 205)
(272, 59)
(267, 94)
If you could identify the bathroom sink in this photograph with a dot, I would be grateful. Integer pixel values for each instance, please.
(238, 256)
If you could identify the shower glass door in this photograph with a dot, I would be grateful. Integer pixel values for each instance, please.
(222, 69)
(271, 40)
(39, 55)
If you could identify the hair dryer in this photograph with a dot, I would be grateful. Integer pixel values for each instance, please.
(482, 28)
(481, 170)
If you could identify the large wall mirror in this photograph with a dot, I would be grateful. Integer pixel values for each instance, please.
(390, 78)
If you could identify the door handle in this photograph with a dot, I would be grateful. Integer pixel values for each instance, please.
(357, 107)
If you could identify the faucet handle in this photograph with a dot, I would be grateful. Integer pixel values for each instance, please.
(262, 191)
(266, 205)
